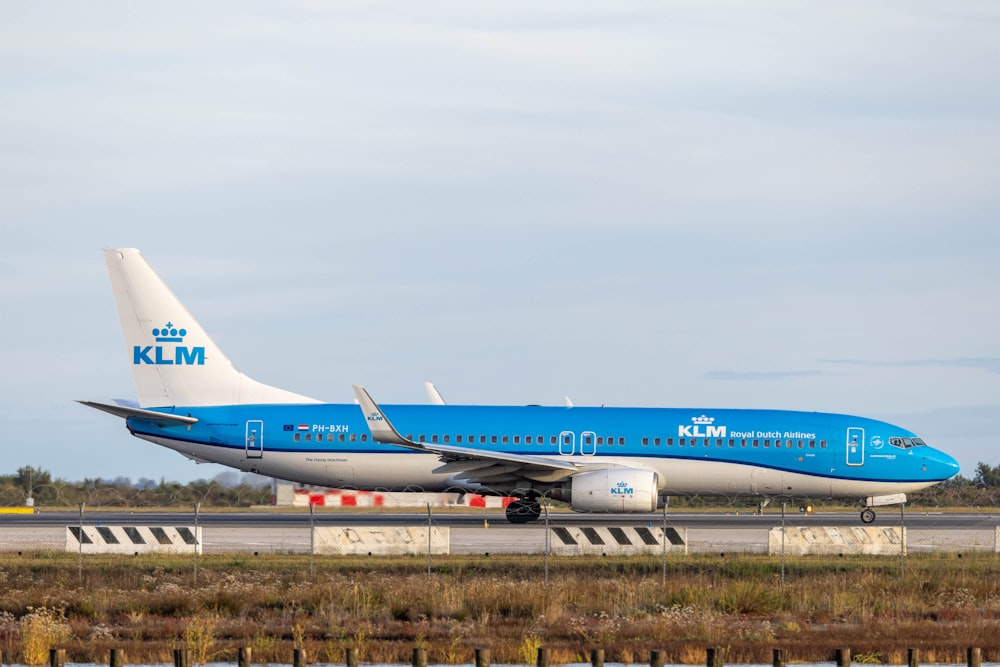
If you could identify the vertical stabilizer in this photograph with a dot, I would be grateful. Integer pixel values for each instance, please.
(174, 362)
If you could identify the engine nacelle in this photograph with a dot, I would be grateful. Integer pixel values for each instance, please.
(614, 490)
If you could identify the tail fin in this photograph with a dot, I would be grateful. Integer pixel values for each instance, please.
(174, 362)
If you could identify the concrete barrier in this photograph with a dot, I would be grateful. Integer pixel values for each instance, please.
(613, 540)
(380, 540)
(830, 540)
(133, 539)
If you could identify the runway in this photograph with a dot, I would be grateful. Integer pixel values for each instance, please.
(484, 531)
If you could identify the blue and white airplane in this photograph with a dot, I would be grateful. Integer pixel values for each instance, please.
(193, 400)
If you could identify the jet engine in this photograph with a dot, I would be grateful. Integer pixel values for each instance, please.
(614, 490)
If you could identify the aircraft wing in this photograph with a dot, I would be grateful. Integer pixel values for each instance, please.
(471, 464)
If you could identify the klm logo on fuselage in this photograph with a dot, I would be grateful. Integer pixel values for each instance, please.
(702, 427)
(168, 355)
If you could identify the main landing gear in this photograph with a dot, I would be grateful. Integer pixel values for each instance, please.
(867, 515)
(523, 511)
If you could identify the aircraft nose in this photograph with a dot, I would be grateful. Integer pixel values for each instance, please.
(942, 466)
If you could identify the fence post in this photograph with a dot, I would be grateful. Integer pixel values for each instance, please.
(57, 657)
(543, 657)
(912, 660)
(245, 656)
(429, 527)
(843, 657)
(597, 657)
(351, 657)
(975, 657)
(182, 657)
(482, 657)
(778, 657)
(656, 658)
(117, 658)
(419, 657)
(713, 657)
(312, 541)
(299, 657)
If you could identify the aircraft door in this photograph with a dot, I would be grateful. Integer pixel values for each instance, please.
(588, 443)
(855, 446)
(255, 439)
(567, 443)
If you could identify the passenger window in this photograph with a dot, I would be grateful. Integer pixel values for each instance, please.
(656, 442)
(670, 442)
(482, 440)
(296, 437)
(553, 440)
(718, 442)
(756, 443)
(364, 437)
(645, 442)
(505, 439)
(423, 438)
(493, 440)
(447, 438)
(309, 437)
(767, 442)
(434, 438)
(822, 444)
(527, 439)
(354, 437)
(621, 442)
(680, 442)
(588, 439)
(458, 439)
(343, 437)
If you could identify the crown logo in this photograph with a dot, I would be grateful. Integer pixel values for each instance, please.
(169, 334)
(703, 420)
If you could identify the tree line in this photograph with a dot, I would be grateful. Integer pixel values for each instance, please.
(230, 489)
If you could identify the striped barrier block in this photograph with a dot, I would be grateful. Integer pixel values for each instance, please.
(133, 539)
(615, 540)
(493, 502)
(380, 540)
(336, 498)
(832, 540)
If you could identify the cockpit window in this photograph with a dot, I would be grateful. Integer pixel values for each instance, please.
(906, 443)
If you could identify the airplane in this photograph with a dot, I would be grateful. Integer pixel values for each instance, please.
(192, 399)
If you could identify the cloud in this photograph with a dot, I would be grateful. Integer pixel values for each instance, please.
(758, 376)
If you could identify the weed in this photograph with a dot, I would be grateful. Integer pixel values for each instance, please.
(41, 630)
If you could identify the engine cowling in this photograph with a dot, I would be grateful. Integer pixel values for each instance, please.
(614, 490)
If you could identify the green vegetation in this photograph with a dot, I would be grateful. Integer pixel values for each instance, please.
(232, 490)
(149, 605)
(228, 490)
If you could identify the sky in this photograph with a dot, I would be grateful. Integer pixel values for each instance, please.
(691, 204)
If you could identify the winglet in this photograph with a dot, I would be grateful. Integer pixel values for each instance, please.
(382, 430)
(433, 395)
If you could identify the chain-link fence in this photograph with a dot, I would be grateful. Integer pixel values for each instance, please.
(438, 533)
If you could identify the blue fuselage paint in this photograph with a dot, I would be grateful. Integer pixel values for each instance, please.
(308, 442)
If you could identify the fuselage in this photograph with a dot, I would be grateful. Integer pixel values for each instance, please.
(693, 451)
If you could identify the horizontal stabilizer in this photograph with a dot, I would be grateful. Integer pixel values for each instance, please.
(125, 412)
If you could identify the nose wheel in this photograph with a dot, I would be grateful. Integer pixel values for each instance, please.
(867, 515)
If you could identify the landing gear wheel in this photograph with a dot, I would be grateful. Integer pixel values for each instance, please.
(523, 511)
(867, 515)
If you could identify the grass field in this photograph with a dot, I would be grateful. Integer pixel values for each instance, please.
(150, 605)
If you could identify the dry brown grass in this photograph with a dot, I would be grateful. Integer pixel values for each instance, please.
(383, 607)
